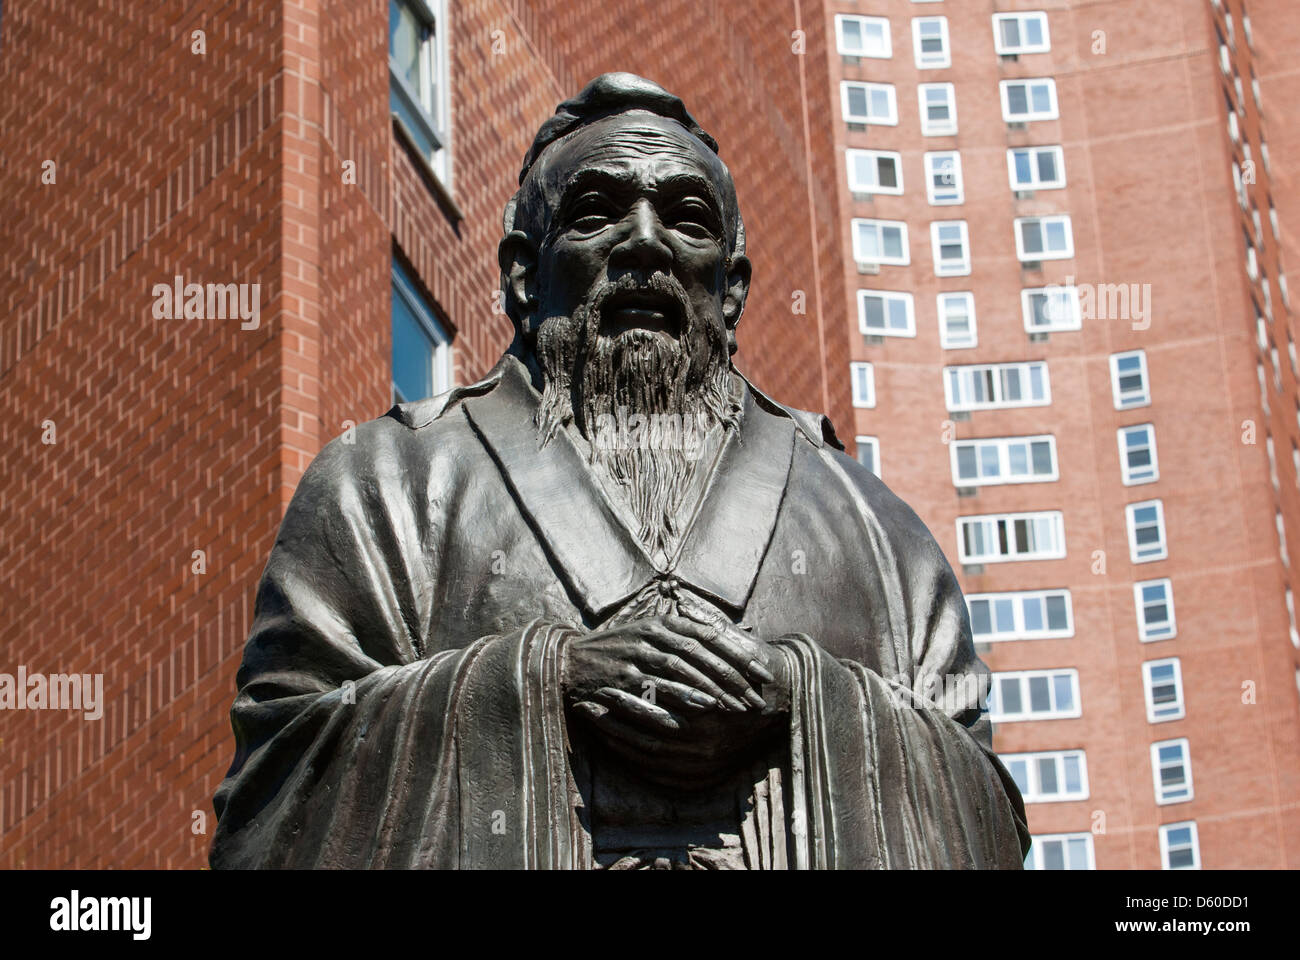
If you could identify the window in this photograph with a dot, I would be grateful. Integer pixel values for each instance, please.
(930, 42)
(1180, 849)
(977, 463)
(1024, 615)
(1146, 531)
(950, 243)
(1050, 775)
(875, 171)
(884, 313)
(956, 320)
(1137, 454)
(1025, 100)
(881, 242)
(869, 102)
(943, 184)
(1001, 537)
(1128, 379)
(1048, 309)
(869, 453)
(1036, 168)
(863, 376)
(1061, 851)
(417, 67)
(1171, 771)
(1154, 600)
(1034, 695)
(938, 109)
(1163, 682)
(1044, 238)
(1016, 33)
(863, 36)
(996, 386)
(421, 351)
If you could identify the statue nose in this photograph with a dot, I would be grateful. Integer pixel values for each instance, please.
(644, 244)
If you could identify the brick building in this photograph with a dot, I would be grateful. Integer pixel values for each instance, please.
(146, 462)
(352, 160)
(1073, 353)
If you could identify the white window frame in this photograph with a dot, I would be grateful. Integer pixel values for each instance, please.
(440, 355)
(887, 295)
(1152, 554)
(1051, 113)
(851, 155)
(1165, 830)
(937, 128)
(874, 466)
(862, 377)
(1033, 793)
(1163, 713)
(1073, 314)
(1164, 796)
(1164, 630)
(995, 372)
(946, 340)
(880, 226)
(934, 166)
(960, 268)
(1033, 860)
(427, 108)
(1000, 447)
(1149, 474)
(1024, 48)
(1017, 600)
(892, 95)
(1130, 401)
(992, 523)
(886, 42)
(1023, 679)
(1045, 254)
(1036, 183)
(931, 61)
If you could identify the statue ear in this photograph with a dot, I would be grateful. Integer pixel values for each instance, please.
(517, 255)
(733, 304)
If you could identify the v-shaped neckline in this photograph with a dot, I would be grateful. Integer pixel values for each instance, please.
(587, 532)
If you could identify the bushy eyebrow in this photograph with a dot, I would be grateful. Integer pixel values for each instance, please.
(673, 184)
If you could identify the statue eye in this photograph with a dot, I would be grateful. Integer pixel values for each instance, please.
(591, 212)
(694, 217)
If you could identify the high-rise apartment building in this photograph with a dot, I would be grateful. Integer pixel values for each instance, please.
(1074, 356)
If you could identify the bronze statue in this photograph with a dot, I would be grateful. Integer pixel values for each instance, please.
(612, 606)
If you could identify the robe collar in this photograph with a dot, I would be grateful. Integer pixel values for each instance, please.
(602, 560)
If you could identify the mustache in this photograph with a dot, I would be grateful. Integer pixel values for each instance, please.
(654, 284)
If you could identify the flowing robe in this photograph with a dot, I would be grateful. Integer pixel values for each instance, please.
(399, 700)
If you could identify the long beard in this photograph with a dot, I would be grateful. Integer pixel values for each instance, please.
(681, 389)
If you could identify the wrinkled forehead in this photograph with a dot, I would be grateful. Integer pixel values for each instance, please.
(638, 146)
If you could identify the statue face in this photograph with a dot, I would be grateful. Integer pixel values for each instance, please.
(634, 201)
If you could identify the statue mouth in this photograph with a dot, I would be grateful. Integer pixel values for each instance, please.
(651, 310)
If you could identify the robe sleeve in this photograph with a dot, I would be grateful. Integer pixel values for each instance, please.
(898, 770)
(355, 746)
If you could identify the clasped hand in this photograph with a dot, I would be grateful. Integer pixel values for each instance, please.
(686, 689)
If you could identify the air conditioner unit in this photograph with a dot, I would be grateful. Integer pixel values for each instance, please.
(868, 267)
(1024, 194)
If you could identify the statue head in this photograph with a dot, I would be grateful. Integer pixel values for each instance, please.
(623, 264)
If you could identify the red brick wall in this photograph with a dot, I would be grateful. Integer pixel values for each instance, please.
(185, 435)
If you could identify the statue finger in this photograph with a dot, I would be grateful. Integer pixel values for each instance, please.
(608, 723)
(694, 649)
(728, 641)
(638, 711)
(677, 667)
